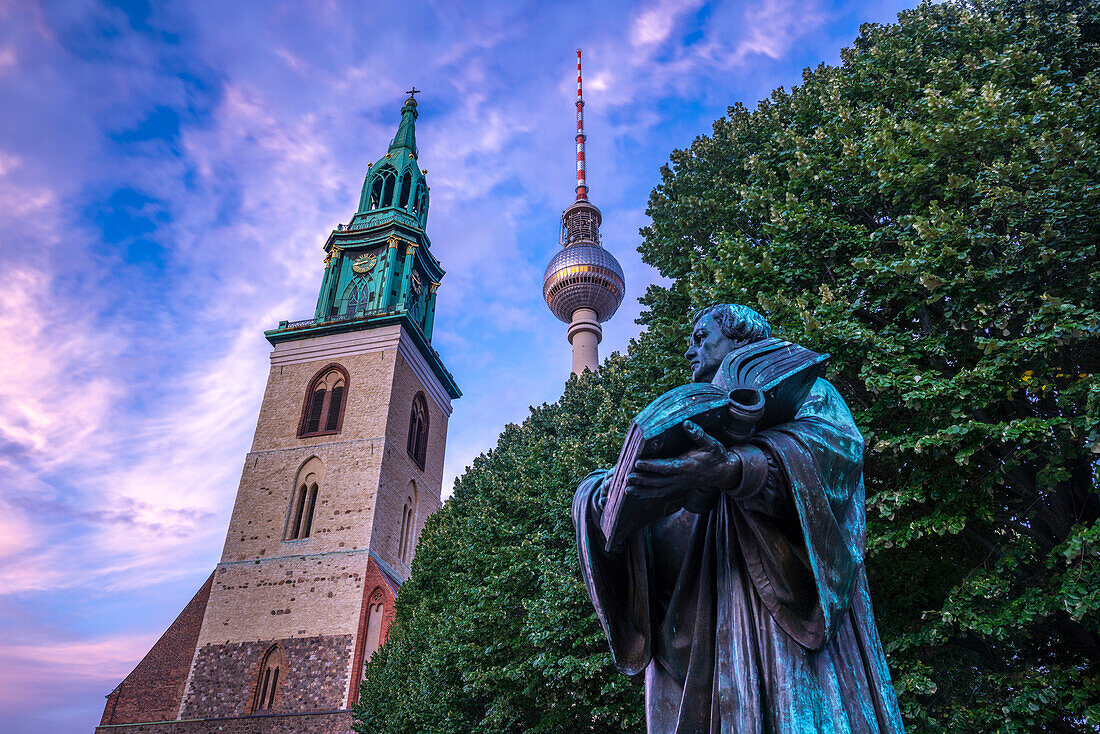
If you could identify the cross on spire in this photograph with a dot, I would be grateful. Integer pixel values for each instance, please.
(413, 92)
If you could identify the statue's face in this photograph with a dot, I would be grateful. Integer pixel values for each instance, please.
(709, 346)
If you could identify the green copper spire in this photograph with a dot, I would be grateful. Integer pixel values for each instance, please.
(379, 269)
(395, 181)
(406, 131)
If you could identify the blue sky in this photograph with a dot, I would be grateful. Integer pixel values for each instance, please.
(168, 176)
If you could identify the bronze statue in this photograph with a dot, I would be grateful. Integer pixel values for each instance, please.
(748, 612)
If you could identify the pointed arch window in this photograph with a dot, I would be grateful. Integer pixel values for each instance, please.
(358, 295)
(326, 398)
(420, 208)
(376, 611)
(303, 500)
(417, 444)
(376, 192)
(382, 188)
(267, 685)
(408, 525)
(389, 181)
(406, 184)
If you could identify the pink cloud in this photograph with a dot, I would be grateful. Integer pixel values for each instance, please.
(28, 669)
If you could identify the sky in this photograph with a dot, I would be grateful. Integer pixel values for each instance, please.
(168, 176)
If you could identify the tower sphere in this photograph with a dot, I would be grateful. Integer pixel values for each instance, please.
(583, 275)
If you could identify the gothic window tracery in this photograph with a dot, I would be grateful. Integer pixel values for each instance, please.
(323, 412)
(268, 683)
(383, 187)
(357, 295)
(303, 502)
(417, 444)
(389, 182)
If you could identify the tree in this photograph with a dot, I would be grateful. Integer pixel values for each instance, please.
(494, 631)
(927, 213)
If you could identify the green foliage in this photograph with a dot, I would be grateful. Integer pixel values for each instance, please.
(929, 213)
(494, 631)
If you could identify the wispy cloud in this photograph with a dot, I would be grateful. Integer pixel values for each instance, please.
(656, 22)
(53, 396)
(29, 669)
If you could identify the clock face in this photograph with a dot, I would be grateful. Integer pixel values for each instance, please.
(364, 263)
(415, 283)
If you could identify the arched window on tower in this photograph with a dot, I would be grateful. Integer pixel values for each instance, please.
(376, 610)
(326, 397)
(406, 184)
(421, 206)
(376, 192)
(267, 685)
(389, 179)
(357, 296)
(408, 525)
(303, 500)
(417, 445)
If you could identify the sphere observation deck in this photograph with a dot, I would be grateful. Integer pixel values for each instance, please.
(583, 274)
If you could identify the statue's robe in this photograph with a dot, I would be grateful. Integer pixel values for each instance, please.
(753, 618)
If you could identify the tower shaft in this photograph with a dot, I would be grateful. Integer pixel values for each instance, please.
(585, 334)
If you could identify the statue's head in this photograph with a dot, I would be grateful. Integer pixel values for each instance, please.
(716, 331)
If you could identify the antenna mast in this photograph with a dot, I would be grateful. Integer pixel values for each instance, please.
(582, 183)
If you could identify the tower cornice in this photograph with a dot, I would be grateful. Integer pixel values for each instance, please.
(299, 330)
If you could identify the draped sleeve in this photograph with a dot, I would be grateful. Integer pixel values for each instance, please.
(617, 583)
(805, 562)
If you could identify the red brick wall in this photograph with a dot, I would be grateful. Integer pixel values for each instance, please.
(154, 689)
(373, 582)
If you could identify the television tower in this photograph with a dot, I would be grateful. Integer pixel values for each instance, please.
(583, 284)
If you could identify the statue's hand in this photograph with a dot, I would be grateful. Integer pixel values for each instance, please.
(693, 479)
(605, 486)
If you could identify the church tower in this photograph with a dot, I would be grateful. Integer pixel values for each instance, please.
(345, 466)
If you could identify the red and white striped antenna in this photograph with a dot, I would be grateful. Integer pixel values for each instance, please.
(582, 182)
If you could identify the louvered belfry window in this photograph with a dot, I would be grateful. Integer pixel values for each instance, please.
(316, 405)
(335, 404)
(326, 398)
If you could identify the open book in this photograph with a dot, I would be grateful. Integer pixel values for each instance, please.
(757, 386)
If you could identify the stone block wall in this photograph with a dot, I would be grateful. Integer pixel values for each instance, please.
(279, 598)
(368, 358)
(335, 722)
(312, 678)
(345, 502)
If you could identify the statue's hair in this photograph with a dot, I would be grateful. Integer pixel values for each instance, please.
(739, 323)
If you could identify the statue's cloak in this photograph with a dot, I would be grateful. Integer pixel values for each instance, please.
(753, 618)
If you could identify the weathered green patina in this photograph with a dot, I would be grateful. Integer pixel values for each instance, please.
(379, 268)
